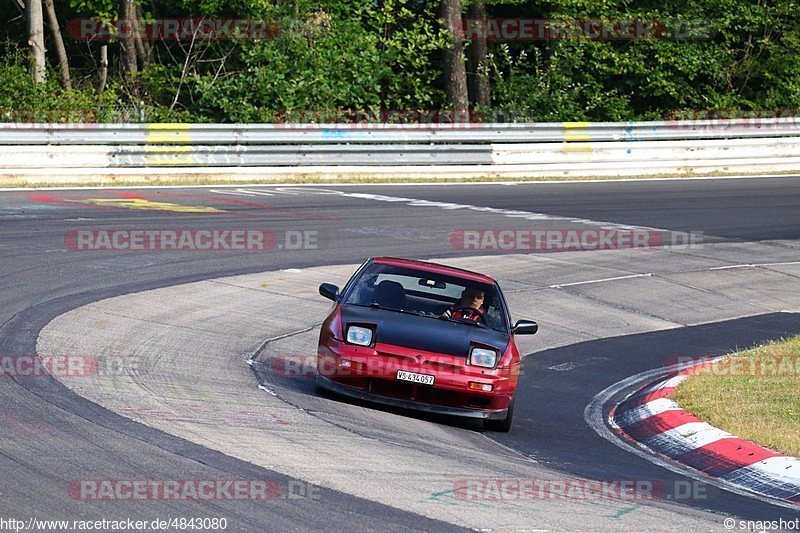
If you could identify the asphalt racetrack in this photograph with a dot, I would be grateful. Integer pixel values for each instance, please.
(192, 319)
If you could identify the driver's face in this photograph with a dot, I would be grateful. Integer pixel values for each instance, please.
(472, 298)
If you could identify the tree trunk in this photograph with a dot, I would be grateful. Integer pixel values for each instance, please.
(453, 68)
(142, 47)
(61, 52)
(479, 88)
(33, 12)
(128, 43)
(103, 68)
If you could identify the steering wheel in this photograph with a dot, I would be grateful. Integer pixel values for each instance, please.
(469, 311)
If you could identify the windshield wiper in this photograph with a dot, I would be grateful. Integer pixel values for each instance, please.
(376, 305)
(465, 321)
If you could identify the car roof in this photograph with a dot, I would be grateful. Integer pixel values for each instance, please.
(436, 268)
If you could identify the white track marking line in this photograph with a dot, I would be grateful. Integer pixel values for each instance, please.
(267, 390)
(755, 265)
(510, 213)
(256, 193)
(241, 191)
(232, 193)
(651, 274)
(571, 365)
(601, 280)
(306, 188)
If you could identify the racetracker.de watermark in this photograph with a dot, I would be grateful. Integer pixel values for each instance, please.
(526, 489)
(596, 29)
(200, 523)
(713, 119)
(193, 240)
(63, 366)
(564, 240)
(765, 365)
(303, 366)
(190, 490)
(384, 119)
(175, 29)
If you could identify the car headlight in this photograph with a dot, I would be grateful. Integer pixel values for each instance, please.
(483, 357)
(359, 335)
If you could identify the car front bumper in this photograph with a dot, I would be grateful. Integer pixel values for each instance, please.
(361, 394)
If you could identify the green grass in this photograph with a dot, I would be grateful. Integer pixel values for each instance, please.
(754, 394)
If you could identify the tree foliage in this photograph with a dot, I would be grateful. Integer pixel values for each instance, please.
(331, 59)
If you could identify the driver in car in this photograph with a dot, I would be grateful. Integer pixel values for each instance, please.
(469, 307)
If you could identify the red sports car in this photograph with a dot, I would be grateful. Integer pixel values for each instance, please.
(424, 336)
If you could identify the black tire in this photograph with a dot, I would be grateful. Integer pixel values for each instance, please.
(504, 425)
(319, 390)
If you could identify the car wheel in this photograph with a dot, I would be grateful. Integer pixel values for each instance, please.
(504, 425)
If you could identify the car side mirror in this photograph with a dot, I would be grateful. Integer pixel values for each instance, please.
(329, 291)
(525, 327)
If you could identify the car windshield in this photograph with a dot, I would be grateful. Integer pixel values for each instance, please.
(426, 294)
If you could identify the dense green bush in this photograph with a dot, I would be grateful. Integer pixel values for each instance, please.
(23, 101)
(350, 58)
(733, 56)
(332, 59)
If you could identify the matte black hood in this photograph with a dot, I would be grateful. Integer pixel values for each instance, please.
(423, 333)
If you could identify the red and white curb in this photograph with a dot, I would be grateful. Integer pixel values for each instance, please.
(655, 422)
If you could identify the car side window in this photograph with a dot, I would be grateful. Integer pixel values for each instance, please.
(364, 290)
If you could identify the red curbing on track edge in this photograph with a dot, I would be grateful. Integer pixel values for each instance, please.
(651, 420)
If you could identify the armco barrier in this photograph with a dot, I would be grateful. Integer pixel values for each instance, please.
(541, 149)
(139, 156)
(235, 134)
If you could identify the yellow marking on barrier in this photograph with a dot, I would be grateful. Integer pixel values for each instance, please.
(161, 140)
(143, 204)
(158, 149)
(155, 155)
(168, 133)
(577, 147)
(578, 135)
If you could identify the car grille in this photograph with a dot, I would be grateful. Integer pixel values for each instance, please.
(426, 394)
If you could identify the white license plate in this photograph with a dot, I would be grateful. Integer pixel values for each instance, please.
(424, 379)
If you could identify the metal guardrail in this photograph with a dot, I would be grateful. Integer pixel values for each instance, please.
(232, 134)
(563, 148)
(498, 154)
(106, 156)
